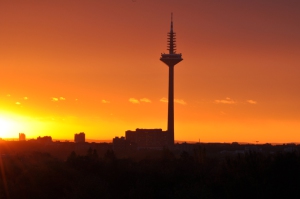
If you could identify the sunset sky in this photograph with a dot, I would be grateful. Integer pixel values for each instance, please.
(70, 66)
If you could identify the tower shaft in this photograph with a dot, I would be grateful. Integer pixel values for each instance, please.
(171, 104)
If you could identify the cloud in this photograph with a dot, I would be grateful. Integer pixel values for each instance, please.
(8, 95)
(163, 99)
(25, 98)
(105, 101)
(54, 99)
(180, 101)
(18, 103)
(252, 102)
(134, 101)
(145, 100)
(225, 101)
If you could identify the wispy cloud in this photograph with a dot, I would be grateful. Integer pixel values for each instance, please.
(163, 99)
(8, 95)
(134, 101)
(180, 101)
(18, 103)
(54, 99)
(252, 102)
(25, 98)
(145, 100)
(105, 101)
(225, 101)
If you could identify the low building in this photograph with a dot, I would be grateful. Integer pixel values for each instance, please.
(45, 139)
(149, 138)
(120, 144)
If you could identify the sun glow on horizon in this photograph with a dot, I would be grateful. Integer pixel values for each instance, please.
(62, 128)
(11, 125)
(6, 127)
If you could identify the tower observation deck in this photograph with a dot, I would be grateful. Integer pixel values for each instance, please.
(171, 59)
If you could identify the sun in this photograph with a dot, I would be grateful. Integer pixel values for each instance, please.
(6, 127)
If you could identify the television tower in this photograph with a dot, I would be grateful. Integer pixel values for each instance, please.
(171, 59)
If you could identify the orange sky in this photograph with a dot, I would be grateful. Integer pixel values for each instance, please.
(68, 66)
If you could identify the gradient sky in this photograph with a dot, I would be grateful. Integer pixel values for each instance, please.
(68, 66)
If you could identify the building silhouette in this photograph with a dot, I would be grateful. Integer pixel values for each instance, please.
(120, 144)
(45, 139)
(157, 138)
(22, 137)
(79, 137)
(149, 138)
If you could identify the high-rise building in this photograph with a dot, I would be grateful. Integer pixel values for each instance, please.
(79, 137)
(171, 59)
(22, 137)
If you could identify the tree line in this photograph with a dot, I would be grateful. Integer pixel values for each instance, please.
(159, 174)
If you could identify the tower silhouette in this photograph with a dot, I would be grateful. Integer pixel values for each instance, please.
(157, 138)
(171, 59)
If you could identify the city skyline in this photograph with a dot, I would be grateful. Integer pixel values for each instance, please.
(93, 67)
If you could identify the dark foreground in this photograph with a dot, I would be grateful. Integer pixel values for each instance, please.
(160, 174)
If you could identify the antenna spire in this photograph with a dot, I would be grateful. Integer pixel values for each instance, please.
(171, 22)
(171, 38)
